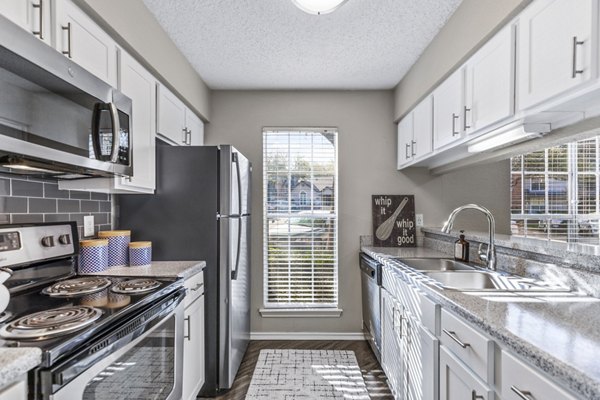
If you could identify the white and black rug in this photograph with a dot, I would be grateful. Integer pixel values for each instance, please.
(307, 374)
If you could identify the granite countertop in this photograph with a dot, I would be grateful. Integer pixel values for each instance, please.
(181, 269)
(558, 334)
(16, 361)
(403, 252)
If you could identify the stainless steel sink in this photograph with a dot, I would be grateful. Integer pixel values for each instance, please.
(465, 280)
(435, 264)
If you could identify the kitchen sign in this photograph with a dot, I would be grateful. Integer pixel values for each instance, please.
(394, 221)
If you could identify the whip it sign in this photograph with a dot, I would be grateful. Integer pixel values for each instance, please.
(394, 221)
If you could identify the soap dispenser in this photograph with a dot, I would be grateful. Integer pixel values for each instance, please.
(461, 248)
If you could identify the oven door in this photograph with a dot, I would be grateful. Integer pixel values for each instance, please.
(136, 361)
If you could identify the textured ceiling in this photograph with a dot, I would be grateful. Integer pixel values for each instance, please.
(271, 44)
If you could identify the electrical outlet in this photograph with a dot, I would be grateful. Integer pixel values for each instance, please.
(419, 219)
(88, 225)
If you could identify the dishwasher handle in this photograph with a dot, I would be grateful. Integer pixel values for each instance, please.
(368, 266)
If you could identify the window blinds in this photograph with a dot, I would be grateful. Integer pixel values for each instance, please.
(554, 193)
(300, 217)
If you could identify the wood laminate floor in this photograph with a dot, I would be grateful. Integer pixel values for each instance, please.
(371, 370)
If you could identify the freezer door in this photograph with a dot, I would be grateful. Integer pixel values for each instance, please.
(235, 302)
(235, 182)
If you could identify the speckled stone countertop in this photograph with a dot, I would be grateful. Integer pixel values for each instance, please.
(403, 252)
(182, 269)
(16, 361)
(560, 335)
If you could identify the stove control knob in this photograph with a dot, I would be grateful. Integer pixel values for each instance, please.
(48, 241)
(64, 239)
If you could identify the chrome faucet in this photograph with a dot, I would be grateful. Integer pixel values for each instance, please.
(490, 255)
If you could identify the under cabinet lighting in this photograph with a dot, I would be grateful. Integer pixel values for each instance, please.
(318, 7)
(515, 135)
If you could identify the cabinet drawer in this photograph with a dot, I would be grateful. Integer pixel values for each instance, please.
(430, 314)
(194, 288)
(521, 381)
(471, 347)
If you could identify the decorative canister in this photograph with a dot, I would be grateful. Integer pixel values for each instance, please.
(140, 254)
(118, 241)
(93, 256)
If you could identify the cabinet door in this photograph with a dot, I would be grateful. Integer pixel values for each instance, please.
(31, 15)
(422, 354)
(519, 379)
(391, 354)
(490, 82)
(555, 48)
(170, 122)
(195, 128)
(458, 382)
(139, 85)
(422, 142)
(448, 109)
(405, 137)
(193, 349)
(83, 41)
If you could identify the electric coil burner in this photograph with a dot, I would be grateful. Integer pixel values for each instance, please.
(49, 323)
(86, 326)
(78, 286)
(135, 286)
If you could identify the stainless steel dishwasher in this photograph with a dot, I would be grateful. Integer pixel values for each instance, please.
(370, 277)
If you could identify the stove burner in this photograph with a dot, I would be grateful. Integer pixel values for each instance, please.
(135, 286)
(55, 322)
(78, 286)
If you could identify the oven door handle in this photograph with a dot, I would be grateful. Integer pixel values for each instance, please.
(115, 344)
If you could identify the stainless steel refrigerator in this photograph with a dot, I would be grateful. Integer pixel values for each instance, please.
(201, 211)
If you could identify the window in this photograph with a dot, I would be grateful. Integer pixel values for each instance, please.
(300, 218)
(554, 193)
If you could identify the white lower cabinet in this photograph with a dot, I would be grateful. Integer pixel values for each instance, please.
(421, 353)
(391, 355)
(15, 391)
(520, 381)
(193, 342)
(458, 382)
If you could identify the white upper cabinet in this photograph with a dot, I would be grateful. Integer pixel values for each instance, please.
(405, 137)
(31, 15)
(83, 41)
(175, 122)
(415, 133)
(555, 49)
(490, 83)
(448, 110)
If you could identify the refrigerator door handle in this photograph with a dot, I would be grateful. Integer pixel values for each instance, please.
(234, 273)
(236, 161)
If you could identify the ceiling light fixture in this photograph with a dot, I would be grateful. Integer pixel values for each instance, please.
(518, 134)
(318, 7)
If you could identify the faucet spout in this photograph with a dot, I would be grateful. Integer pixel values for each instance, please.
(490, 256)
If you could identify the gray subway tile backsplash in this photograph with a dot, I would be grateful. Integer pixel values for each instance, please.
(25, 200)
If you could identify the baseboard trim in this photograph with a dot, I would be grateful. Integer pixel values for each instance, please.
(307, 336)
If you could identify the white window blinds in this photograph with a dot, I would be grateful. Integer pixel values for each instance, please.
(300, 218)
(554, 193)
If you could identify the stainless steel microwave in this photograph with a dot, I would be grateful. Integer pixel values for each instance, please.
(57, 119)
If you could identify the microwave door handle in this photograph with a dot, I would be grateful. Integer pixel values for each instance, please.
(114, 119)
(116, 130)
(98, 107)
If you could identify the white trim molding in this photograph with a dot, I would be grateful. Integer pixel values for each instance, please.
(300, 312)
(307, 336)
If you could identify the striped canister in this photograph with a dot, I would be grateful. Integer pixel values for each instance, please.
(140, 254)
(93, 256)
(118, 243)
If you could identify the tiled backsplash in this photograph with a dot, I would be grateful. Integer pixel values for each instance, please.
(25, 200)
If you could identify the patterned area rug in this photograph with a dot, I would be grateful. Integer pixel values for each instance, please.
(307, 374)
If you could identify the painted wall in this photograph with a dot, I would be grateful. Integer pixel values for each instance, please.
(136, 29)
(471, 25)
(367, 165)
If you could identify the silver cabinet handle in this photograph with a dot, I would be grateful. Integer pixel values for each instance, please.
(475, 396)
(40, 33)
(198, 286)
(454, 118)
(456, 339)
(399, 324)
(189, 137)
(189, 328)
(465, 110)
(406, 151)
(412, 148)
(523, 394)
(184, 135)
(68, 29)
(576, 43)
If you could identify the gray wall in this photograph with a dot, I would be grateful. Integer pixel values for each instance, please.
(471, 25)
(136, 29)
(367, 165)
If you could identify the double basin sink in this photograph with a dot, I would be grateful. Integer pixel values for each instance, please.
(451, 274)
